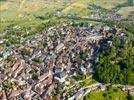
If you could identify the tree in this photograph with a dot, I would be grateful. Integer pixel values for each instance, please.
(130, 2)
(9, 85)
(116, 64)
(38, 59)
(35, 76)
(83, 55)
(25, 52)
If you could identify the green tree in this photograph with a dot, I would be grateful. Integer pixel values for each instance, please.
(9, 85)
(116, 65)
(130, 2)
(35, 76)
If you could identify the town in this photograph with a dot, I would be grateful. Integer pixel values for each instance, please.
(47, 61)
(66, 50)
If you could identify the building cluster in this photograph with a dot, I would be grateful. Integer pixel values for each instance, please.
(42, 63)
(108, 16)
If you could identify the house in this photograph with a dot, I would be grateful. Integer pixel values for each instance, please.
(86, 27)
(3, 95)
(19, 69)
(60, 47)
(19, 81)
(61, 76)
(89, 65)
(47, 97)
(83, 69)
(14, 93)
(8, 53)
(99, 27)
(110, 43)
(113, 30)
(42, 77)
(39, 88)
(50, 89)
(1, 41)
(27, 97)
(47, 81)
(106, 28)
(58, 69)
(15, 66)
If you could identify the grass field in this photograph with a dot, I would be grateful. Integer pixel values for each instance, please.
(26, 12)
(125, 11)
(110, 94)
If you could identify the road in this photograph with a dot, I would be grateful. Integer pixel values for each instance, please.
(81, 92)
(85, 90)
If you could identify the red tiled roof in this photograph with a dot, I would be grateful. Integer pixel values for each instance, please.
(16, 65)
(42, 77)
(15, 93)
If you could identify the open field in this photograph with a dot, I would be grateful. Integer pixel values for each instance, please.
(110, 94)
(81, 6)
(125, 11)
(35, 12)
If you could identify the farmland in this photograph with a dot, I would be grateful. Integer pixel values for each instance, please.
(28, 12)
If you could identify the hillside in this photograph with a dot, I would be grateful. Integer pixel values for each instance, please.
(29, 12)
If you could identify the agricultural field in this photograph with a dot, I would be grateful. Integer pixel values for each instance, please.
(34, 13)
(126, 11)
